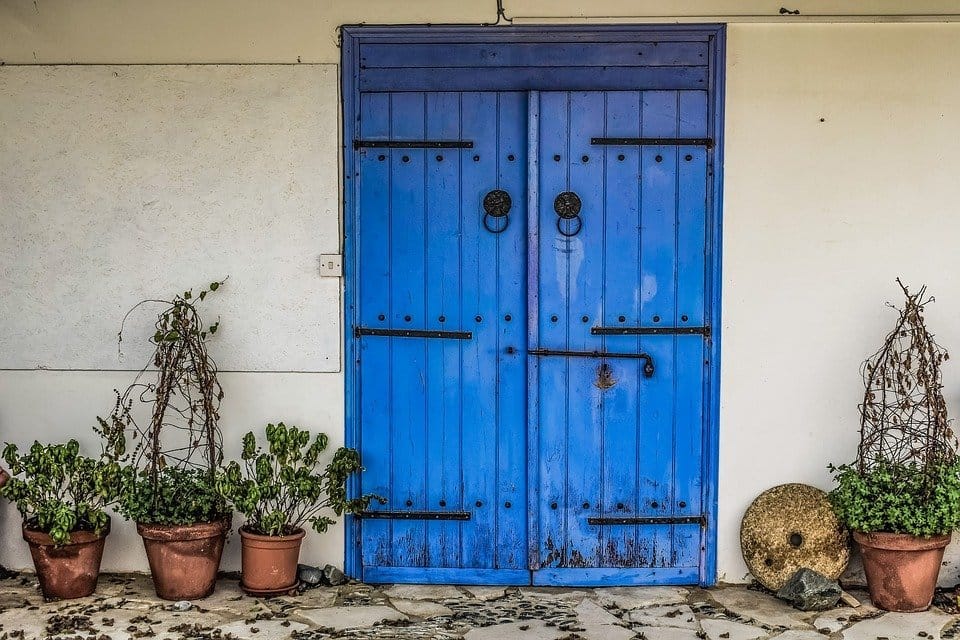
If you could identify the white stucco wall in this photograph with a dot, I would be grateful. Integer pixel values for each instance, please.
(125, 182)
(839, 176)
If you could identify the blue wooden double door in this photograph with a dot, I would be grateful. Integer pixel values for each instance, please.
(532, 336)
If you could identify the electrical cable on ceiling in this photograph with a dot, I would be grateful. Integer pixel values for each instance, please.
(501, 14)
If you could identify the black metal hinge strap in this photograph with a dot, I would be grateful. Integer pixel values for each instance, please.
(412, 333)
(653, 142)
(700, 520)
(647, 367)
(413, 144)
(587, 354)
(416, 515)
(649, 331)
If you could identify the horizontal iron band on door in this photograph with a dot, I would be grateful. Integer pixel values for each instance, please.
(413, 144)
(649, 331)
(589, 354)
(653, 142)
(412, 333)
(416, 515)
(700, 520)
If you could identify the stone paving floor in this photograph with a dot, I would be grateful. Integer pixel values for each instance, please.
(125, 607)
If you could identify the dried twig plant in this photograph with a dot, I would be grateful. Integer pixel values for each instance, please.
(903, 417)
(181, 446)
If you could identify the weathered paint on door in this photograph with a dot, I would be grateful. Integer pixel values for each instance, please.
(532, 289)
(620, 435)
(443, 418)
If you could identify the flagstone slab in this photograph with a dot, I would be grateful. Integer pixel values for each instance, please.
(486, 593)
(680, 616)
(800, 634)
(762, 607)
(719, 629)
(420, 608)
(640, 597)
(261, 629)
(669, 633)
(523, 630)
(899, 626)
(340, 618)
(597, 622)
(19, 620)
(555, 594)
(423, 592)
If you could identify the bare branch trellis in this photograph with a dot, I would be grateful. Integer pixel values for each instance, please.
(903, 417)
(184, 397)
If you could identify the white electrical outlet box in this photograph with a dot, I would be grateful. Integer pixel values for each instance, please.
(331, 265)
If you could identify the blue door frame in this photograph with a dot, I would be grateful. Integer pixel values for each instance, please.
(536, 59)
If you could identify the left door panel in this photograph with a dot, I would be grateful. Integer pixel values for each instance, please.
(441, 331)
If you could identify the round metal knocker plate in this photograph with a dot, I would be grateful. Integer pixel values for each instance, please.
(497, 203)
(496, 206)
(567, 205)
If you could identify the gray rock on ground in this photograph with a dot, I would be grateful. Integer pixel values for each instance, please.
(309, 576)
(809, 590)
(333, 576)
(329, 576)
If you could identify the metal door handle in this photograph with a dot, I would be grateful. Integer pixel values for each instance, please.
(496, 204)
(648, 368)
(568, 205)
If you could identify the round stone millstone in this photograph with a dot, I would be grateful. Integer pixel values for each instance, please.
(789, 527)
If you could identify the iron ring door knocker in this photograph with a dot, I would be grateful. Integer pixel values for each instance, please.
(567, 205)
(496, 204)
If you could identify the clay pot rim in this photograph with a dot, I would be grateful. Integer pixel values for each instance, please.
(79, 536)
(182, 532)
(900, 541)
(245, 533)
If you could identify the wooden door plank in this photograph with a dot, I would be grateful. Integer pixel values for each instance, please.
(479, 417)
(373, 244)
(509, 317)
(408, 268)
(443, 389)
(621, 307)
(583, 301)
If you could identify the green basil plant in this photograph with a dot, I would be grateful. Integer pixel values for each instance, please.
(58, 491)
(282, 488)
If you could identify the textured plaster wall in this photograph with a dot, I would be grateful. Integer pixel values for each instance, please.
(126, 181)
(841, 174)
(230, 31)
(820, 216)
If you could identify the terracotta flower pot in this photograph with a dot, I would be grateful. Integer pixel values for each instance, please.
(901, 569)
(269, 563)
(70, 570)
(184, 558)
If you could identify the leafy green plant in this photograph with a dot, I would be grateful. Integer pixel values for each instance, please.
(175, 496)
(171, 470)
(898, 498)
(281, 489)
(59, 491)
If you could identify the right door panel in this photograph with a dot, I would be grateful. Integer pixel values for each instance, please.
(620, 338)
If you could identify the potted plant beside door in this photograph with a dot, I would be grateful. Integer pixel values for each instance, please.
(901, 497)
(170, 478)
(280, 490)
(63, 497)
